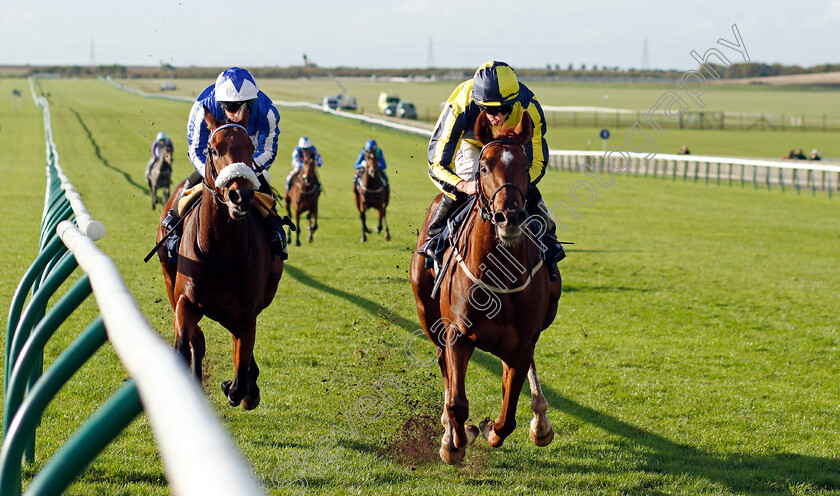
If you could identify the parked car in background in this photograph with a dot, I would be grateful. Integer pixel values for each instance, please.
(387, 99)
(406, 110)
(330, 102)
(390, 110)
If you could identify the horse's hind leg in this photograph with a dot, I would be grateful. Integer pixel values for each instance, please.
(513, 377)
(541, 432)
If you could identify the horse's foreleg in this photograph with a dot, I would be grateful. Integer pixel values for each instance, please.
(383, 220)
(458, 352)
(365, 230)
(197, 346)
(186, 327)
(312, 217)
(541, 432)
(513, 377)
(237, 391)
(297, 223)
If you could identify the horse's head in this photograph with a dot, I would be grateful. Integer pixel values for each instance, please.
(228, 170)
(371, 162)
(308, 174)
(503, 175)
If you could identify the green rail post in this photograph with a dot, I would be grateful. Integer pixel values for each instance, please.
(19, 298)
(22, 427)
(97, 433)
(34, 346)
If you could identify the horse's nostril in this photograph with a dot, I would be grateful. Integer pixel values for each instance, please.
(521, 216)
(233, 196)
(500, 218)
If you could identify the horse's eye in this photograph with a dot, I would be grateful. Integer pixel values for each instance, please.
(484, 169)
(213, 152)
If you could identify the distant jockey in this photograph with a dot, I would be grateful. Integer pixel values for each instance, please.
(370, 145)
(304, 146)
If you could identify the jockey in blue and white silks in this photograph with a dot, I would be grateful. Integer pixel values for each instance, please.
(235, 85)
(235, 98)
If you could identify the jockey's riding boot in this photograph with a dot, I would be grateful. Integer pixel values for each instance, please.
(275, 233)
(436, 225)
(384, 176)
(172, 216)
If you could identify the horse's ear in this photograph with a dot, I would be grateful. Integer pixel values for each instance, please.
(483, 129)
(210, 119)
(524, 130)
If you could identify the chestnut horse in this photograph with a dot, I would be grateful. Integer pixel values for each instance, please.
(303, 196)
(372, 191)
(224, 269)
(495, 294)
(160, 174)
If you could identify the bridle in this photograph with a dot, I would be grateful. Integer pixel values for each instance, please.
(485, 205)
(217, 193)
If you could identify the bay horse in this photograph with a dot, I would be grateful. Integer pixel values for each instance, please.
(160, 174)
(224, 269)
(372, 191)
(303, 196)
(495, 294)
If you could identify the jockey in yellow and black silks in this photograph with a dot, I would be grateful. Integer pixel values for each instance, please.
(454, 152)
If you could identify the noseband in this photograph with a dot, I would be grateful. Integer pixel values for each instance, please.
(485, 205)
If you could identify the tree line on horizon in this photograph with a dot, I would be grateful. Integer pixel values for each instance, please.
(734, 71)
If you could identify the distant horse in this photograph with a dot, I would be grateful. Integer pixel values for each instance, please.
(224, 269)
(495, 294)
(372, 191)
(303, 196)
(160, 173)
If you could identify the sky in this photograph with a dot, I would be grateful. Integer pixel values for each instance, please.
(413, 33)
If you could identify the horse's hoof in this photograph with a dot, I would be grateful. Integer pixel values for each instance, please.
(489, 433)
(297, 243)
(540, 440)
(451, 456)
(387, 237)
(226, 387)
(250, 402)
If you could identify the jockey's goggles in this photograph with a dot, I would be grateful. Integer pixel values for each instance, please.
(233, 107)
(494, 110)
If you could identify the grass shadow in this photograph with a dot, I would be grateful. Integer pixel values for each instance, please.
(102, 159)
(780, 473)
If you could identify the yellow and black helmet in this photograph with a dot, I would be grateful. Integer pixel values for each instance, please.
(495, 84)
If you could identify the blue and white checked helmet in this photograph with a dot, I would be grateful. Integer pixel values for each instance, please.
(236, 85)
(305, 142)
